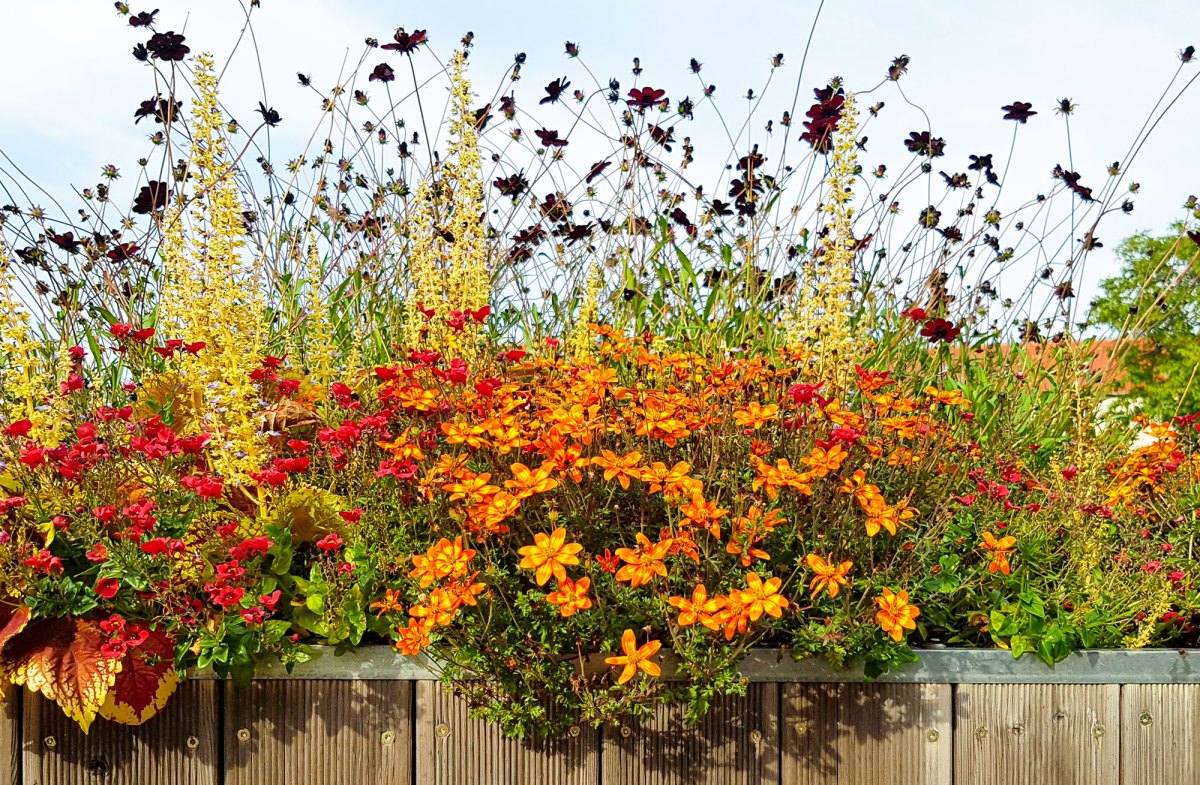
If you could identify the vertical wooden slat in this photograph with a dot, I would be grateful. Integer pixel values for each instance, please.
(10, 737)
(178, 745)
(300, 731)
(1059, 733)
(452, 748)
(1160, 734)
(736, 743)
(868, 734)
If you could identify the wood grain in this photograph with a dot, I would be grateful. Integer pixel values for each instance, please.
(868, 734)
(179, 745)
(10, 736)
(1160, 734)
(1026, 733)
(452, 748)
(736, 743)
(303, 732)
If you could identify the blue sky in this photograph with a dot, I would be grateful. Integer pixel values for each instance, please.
(73, 85)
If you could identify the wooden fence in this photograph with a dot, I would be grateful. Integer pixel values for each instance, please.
(393, 731)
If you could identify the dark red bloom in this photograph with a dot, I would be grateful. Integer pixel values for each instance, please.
(940, 330)
(107, 587)
(1019, 111)
(382, 73)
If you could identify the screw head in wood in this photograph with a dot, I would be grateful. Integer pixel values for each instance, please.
(1098, 731)
(243, 734)
(1017, 729)
(756, 737)
(387, 737)
(800, 726)
(1146, 719)
(50, 742)
(574, 731)
(626, 731)
(933, 736)
(192, 742)
(441, 730)
(981, 733)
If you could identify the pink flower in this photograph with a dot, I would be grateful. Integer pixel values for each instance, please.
(330, 543)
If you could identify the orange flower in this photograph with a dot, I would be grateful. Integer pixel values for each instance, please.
(828, 576)
(414, 637)
(948, 397)
(895, 614)
(622, 468)
(825, 462)
(464, 592)
(450, 558)
(755, 415)
(677, 479)
(705, 514)
(781, 475)
(571, 596)
(644, 562)
(549, 555)
(635, 658)
(464, 433)
(733, 615)
(698, 609)
(526, 483)
(761, 597)
(471, 486)
(389, 604)
(1000, 548)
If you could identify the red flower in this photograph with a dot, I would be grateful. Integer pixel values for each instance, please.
(19, 429)
(940, 330)
(107, 587)
(330, 543)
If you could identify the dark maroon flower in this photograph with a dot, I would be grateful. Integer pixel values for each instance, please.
(550, 138)
(1071, 179)
(167, 46)
(554, 91)
(925, 144)
(1019, 111)
(382, 73)
(152, 198)
(940, 330)
(269, 116)
(643, 98)
(406, 43)
(161, 109)
(823, 117)
(596, 170)
(143, 19)
(1187, 54)
(514, 185)
(572, 49)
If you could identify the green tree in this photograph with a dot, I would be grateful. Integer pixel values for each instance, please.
(1154, 305)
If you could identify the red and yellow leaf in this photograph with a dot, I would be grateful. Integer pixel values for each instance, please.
(61, 659)
(147, 679)
(13, 619)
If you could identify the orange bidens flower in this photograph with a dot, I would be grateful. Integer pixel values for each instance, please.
(781, 475)
(470, 486)
(755, 415)
(622, 468)
(443, 559)
(635, 658)
(761, 597)
(1000, 548)
(698, 609)
(828, 576)
(389, 604)
(526, 483)
(880, 515)
(571, 596)
(414, 637)
(549, 555)
(677, 479)
(825, 462)
(895, 614)
(705, 514)
(644, 562)
(733, 615)
(948, 397)
(868, 495)
(464, 433)
(749, 530)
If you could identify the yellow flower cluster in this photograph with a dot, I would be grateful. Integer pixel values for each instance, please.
(213, 292)
(28, 378)
(447, 264)
(821, 317)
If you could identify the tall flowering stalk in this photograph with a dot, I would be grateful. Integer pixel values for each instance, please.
(319, 344)
(821, 317)
(213, 292)
(447, 263)
(581, 340)
(28, 379)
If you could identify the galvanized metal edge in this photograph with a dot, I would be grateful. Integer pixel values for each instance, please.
(936, 666)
